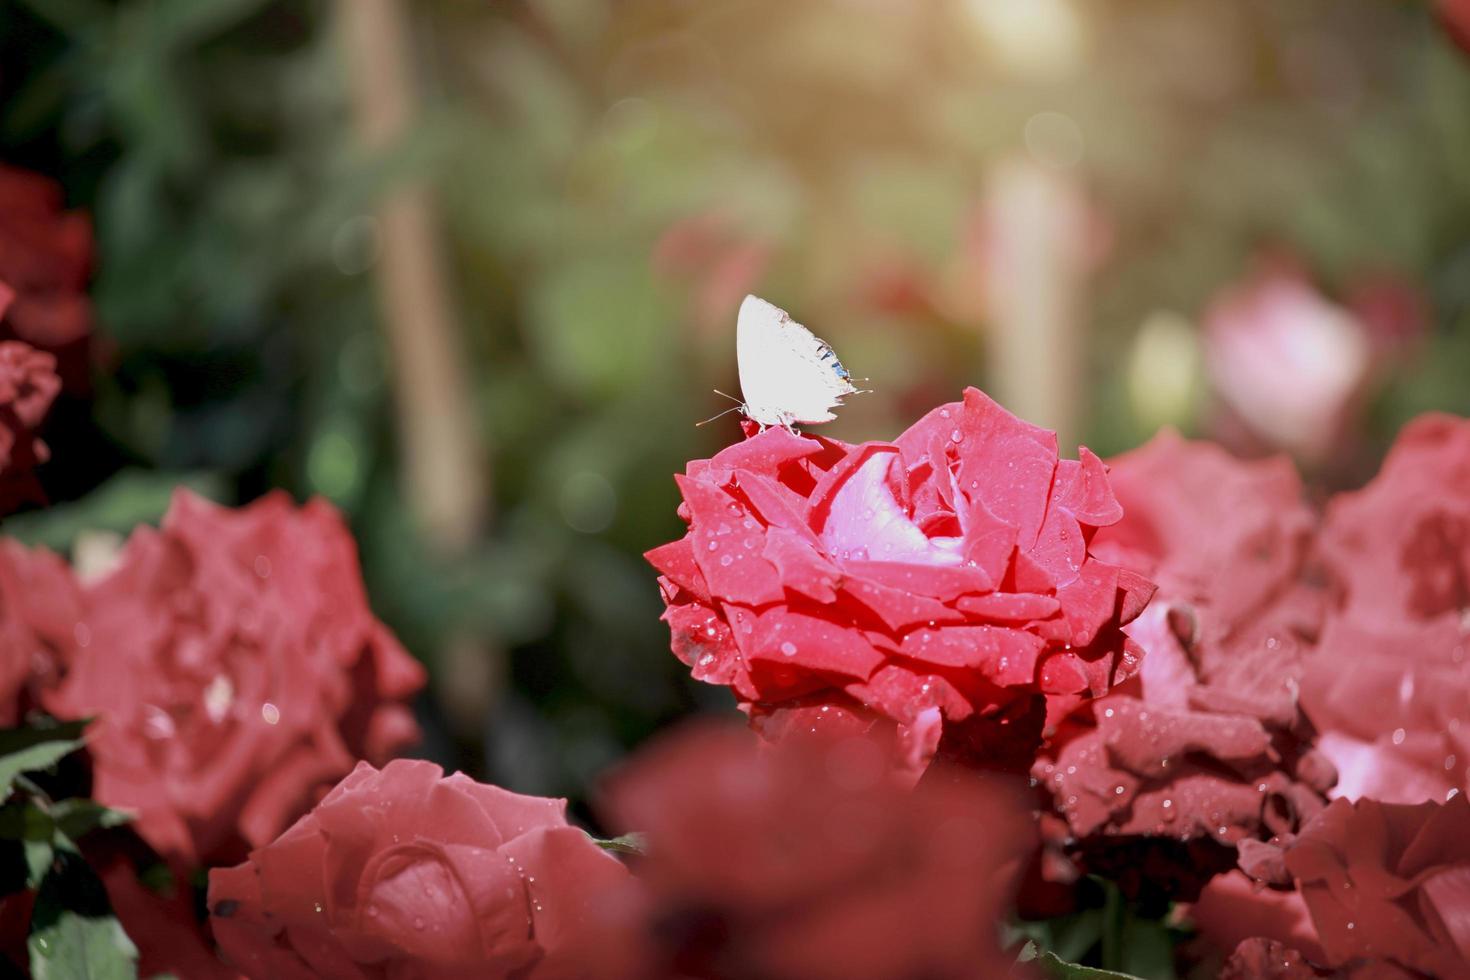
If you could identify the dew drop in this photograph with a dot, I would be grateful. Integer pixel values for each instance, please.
(957, 436)
(1398, 736)
(714, 546)
(788, 649)
(726, 561)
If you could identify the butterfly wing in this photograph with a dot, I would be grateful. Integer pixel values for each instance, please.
(787, 374)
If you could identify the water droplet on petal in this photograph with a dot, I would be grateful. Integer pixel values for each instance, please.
(788, 649)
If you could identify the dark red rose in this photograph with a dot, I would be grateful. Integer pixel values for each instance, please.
(236, 671)
(941, 582)
(40, 606)
(1388, 686)
(809, 860)
(28, 386)
(1389, 882)
(1207, 740)
(407, 874)
(45, 261)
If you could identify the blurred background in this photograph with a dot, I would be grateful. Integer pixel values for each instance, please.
(470, 270)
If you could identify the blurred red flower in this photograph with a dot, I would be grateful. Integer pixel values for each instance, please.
(809, 860)
(28, 386)
(1287, 363)
(40, 606)
(1455, 16)
(236, 671)
(407, 874)
(1207, 741)
(161, 924)
(1388, 686)
(941, 582)
(45, 261)
(1390, 882)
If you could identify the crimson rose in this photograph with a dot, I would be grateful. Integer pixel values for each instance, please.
(406, 874)
(1388, 686)
(1207, 740)
(235, 671)
(809, 860)
(941, 582)
(45, 260)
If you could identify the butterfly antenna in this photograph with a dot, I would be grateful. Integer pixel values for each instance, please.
(721, 415)
(731, 397)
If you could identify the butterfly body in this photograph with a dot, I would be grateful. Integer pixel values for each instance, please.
(788, 375)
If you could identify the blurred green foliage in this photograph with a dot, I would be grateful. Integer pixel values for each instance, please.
(612, 175)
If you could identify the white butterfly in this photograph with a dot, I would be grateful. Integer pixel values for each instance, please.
(787, 374)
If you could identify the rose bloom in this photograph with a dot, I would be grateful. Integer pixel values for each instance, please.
(941, 583)
(1388, 686)
(407, 874)
(40, 606)
(45, 261)
(808, 860)
(28, 386)
(1285, 362)
(236, 672)
(1207, 741)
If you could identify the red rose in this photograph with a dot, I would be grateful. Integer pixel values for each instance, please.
(236, 671)
(941, 582)
(405, 874)
(40, 606)
(28, 386)
(1388, 686)
(1207, 740)
(45, 260)
(808, 860)
(1389, 882)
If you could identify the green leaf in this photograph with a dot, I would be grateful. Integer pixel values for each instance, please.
(38, 855)
(627, 844)
(1054, 968)
(130, 498)
(42, 729)
(76, 817)
(74, 935)
(40, 756)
